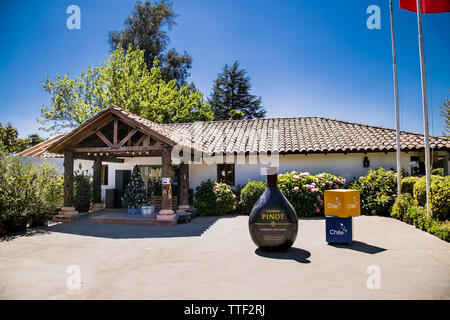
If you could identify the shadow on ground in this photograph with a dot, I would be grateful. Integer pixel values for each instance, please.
(296, 254)
(359, 246)
(30, 232)
(84, 227)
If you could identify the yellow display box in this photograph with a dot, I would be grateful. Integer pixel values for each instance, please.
(343, 203)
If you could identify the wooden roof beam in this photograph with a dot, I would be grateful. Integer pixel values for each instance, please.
(128, 137)
(104, 139)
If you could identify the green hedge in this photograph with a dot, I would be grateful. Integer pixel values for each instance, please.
(401, 205)
(408, 184)
(28, 188)
(438, 172)
(377, 191)
(406, 209)
(212, 199)
(250, 194)
(440, 199)
(439, 195)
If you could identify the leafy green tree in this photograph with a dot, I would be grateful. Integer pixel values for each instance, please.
(445, 113)
(147, 29)
(32, 140)
(123, 80)
(9, 138)
(231, 94)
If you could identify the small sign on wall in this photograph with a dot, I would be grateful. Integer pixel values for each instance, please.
(165, 181)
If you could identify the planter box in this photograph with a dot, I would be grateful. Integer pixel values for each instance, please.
(17, 224)
(2, 227)
(39, 221)
(83, 208)
(134, 211)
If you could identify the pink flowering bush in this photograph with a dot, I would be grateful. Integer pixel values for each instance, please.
(213, 198)
(305, 191)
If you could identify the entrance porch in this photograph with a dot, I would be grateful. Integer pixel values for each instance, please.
(114, 135)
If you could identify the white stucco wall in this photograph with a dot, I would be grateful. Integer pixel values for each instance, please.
(347, 166)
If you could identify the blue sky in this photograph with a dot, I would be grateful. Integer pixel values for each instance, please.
(305, 58)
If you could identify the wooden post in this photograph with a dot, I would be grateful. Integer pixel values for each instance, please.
(97, 181)
(184, 187)
(166, 212)
(68, 208)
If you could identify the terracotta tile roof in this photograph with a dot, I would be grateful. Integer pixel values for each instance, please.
(40, 150)
(283, 135)
(296, 135)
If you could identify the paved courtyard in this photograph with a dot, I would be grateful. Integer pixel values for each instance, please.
(214, 258)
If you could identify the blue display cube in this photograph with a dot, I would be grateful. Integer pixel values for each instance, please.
(339, 230)
(134, 210)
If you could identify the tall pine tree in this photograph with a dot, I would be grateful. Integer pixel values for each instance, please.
(147, 29)
(231, 95)
(135, 194)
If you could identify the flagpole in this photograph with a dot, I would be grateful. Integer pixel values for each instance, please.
(397, 116)
(425, 107)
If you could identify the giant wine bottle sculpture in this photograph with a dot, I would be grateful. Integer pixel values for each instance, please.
(273, 222)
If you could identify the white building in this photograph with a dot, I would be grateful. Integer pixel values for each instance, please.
(234, 151)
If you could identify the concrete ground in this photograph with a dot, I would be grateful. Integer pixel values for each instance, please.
(214, 258)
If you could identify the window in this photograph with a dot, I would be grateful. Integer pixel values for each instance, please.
(104, 175)
(225, 173)
(418, 163)
(417, 167)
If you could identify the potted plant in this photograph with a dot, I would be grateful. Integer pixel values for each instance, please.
(135, 195)
(16, 223)
(82, 190)
(2, 224)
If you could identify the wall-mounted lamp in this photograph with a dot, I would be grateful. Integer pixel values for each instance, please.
(366, 162)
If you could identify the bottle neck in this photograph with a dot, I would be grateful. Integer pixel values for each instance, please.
(272, 180)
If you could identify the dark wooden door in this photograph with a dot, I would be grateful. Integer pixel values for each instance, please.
(122, 179)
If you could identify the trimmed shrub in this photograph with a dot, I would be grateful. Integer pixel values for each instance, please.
(420, 191)
(417, 216)
(49, 191)
(17, 192)
(408, 184)
(401, 205)
(441, 230)
(438, 172)
(439, 195)
(440, 198)
(27, 188)
(413, 213)
(305, 191)
(213, 198)
(377, 191)
(250, 194)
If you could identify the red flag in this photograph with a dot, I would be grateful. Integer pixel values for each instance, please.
(426, 6)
